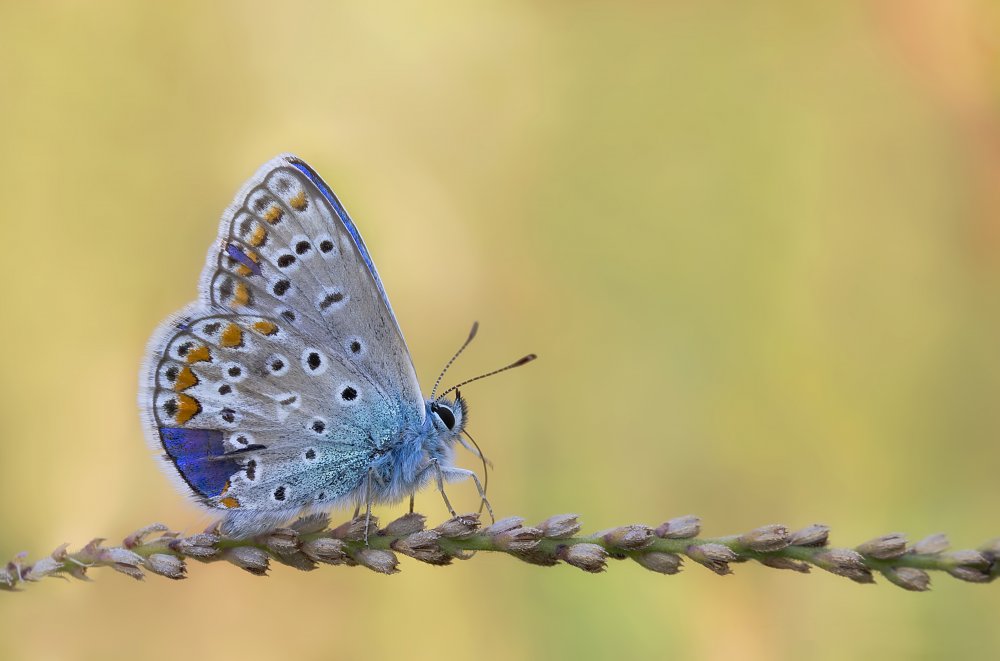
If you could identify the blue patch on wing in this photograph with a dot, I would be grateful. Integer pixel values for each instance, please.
(198, 455)
(234, 251)
(348, 224)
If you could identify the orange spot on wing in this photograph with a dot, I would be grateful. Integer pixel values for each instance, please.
(265, 327)
(229, 502)
(187, 408)
(199, 355)
(299, 202)
(274, 214)
(258, 237)
(185, 379)
(231, 337)
(241, 294)
(243, 270)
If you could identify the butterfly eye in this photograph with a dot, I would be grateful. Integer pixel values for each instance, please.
(445, 414)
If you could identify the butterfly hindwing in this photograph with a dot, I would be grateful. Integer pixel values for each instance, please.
(228, 388)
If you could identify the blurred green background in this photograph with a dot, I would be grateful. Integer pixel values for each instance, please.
(755, 245)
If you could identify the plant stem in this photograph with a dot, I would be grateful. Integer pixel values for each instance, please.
(311, 540)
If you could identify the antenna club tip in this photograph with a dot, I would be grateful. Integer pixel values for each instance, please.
(472, 333)
(527, 359)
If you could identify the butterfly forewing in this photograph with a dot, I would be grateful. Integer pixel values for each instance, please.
(285, 250)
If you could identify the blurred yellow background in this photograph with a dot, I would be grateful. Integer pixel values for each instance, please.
(756, 245)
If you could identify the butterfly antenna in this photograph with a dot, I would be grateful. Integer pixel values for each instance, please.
(517, 363)
(486, 470)
(472, 334)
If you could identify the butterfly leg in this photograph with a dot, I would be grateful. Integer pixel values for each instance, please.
(440, 485)
(368, 502)
(411, 503)
(460, 473)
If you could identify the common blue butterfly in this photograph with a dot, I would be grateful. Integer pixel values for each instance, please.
(287, 386)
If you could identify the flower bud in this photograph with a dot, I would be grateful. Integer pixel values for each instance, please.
(139, 536)
(459, 527)
(249, 558)
(118, 555)
(518, 540)
(714, 556)
(968, 558)
(356, 530)
(991, 551)
(120, 559)
(282, 541)
(44, 567)
(970, 574)
(629, 538)
(129, 570)
(91, 552)
(766, 538)
(423, 546)
(297, 560)
(586, 556)
(660, 562)
(405, 525)
(167, 565)
(560, 526)
(8, 581)
(325, 549)
(813, 535)
(201, 545)
(682, 527)
(932, 544)
(885, 547)
(378, 560)
(844, 562)
(909, 578)
(504, 525)
(779, 562)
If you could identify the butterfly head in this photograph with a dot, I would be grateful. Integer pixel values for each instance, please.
(448, 415)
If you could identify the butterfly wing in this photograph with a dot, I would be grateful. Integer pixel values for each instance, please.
(274, 391)
(287, 246)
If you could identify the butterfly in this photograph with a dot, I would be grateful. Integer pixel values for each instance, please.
(288, 386)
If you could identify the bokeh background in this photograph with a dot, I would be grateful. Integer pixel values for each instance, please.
(756, 245)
